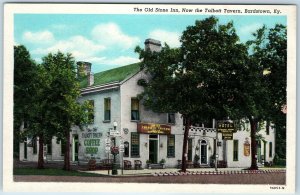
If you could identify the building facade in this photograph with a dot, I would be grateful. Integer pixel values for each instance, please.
(120, 119)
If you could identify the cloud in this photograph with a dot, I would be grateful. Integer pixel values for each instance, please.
(123, 60)
(249, 29)
(171, 38)
(79, 46)
(119, 61)
(40, 37)
(110, 35)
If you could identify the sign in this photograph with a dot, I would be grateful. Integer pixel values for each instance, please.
(227, 136)
(114, 133)
(246, 149)
(227, 129)
(151, 128)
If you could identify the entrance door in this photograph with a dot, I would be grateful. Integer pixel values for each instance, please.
(153, 148)
(203, 152)
(75, 148)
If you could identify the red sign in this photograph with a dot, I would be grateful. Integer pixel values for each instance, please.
(151, 128)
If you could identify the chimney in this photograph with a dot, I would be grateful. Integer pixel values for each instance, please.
(90, 79)
(153, 45)
(83, 68)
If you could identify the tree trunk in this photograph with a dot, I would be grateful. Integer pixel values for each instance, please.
(253, 124)
(187, 125)
(67, 152)
(41, 152)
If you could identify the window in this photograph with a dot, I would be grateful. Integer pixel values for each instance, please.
(171, 146)
(107, 105)
(171, 118)
(235, 150)
(34, 145)
(126, 149)
(135, 115)
(268, 128)
(90, 111)
(135, 145)
(270, 149)
(49, 147)
(63, 147)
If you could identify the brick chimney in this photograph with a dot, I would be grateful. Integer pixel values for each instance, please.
(153, 45)
(84, 69)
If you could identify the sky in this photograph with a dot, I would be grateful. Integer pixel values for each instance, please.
(108, 41)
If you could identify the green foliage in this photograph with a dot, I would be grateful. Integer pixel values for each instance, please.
(25, 76)
(213, 75)
(162, 161)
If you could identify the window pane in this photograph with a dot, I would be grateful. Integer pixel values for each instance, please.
(134, 104)
(63, 147)
(171, 118)
(107, 105)
(171, 146)
(126, 149)
(49, 147)
(135, 144)
(135, 109)
(270, 149)
(34, 145)
(235, 150)
(91, 111)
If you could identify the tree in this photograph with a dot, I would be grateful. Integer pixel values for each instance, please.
(54, 108)
(201, 79)
(63, 92)
(25, 72)
(269, 50)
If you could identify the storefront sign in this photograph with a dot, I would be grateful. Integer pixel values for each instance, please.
(227, 129)
(91, 142)
(151, 128)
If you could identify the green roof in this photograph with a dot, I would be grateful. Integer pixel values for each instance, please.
(114, 75)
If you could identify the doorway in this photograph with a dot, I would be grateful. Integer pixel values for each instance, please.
(75, 148)
(203, 152)
(153, 148)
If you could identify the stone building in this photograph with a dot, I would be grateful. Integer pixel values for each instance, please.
(142, 134)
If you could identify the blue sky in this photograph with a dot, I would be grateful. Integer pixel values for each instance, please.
(108, 41)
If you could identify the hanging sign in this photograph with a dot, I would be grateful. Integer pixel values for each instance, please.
(227, 129)
(151, 128)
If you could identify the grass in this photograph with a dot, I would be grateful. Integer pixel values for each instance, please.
(51, 172)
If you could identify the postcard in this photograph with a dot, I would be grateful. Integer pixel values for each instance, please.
(149, 98)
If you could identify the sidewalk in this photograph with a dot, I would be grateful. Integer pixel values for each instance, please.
(175, 171)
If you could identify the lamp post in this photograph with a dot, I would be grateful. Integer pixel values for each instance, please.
(114, 152)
